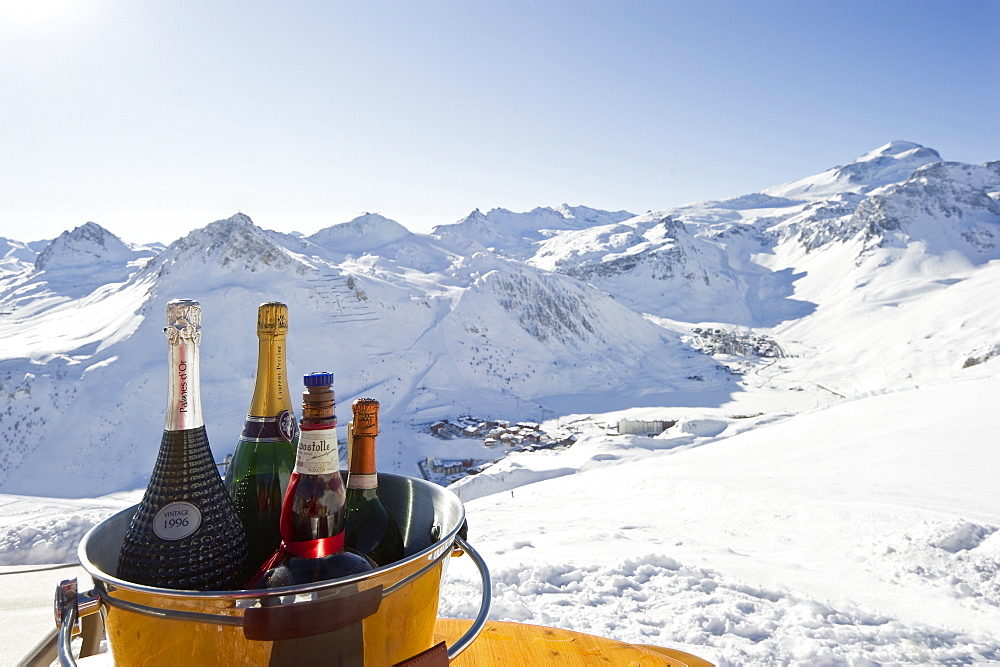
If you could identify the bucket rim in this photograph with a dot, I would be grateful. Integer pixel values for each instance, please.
(433, 552)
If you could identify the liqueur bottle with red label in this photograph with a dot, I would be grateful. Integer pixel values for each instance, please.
(371, 530)
(185, 533)
(262, 464)
(313, 515)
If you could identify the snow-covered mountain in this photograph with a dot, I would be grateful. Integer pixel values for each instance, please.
(659, 264)
(703, 262)
(379, 237)
(432, 333)
(888, 164)
(85, 247)
(516, 234)
(826, 350)
(16, 256)
(519, 315)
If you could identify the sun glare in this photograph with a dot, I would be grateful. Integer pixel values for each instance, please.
(36, 13)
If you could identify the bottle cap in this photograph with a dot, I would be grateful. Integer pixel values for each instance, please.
(365, 416)
(272, 318)
(183, 319)
(365, 405)
(317, 379)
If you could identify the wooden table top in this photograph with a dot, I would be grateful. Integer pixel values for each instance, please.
(511, 644)
(505, 644)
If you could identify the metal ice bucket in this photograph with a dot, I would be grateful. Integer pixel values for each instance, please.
(375, 618)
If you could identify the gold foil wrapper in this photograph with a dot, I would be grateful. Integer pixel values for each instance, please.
(272, 319)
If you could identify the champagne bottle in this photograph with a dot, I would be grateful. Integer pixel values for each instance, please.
(185, 534)
(313, 514)
(371, 530)
(262, 464)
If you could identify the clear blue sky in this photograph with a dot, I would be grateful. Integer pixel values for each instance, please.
(155, 117)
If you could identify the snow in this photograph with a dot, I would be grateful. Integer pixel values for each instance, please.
(834, 505)
(865, 531)
(861, 533)
(37, 530)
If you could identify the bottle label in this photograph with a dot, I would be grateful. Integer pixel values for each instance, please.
(287, 425)
(271, 429)
(318, 453)
(176, 521)
(359, 480)
(184, 393)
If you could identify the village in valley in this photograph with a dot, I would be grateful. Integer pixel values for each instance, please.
(494, 433)
(523, 436)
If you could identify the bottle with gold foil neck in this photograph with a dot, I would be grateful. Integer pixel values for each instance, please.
(371, 529)
(185, 533)
(262, 463)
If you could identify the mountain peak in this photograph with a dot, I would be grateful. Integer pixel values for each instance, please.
(362, 234)
(235, 242)
(897, 150)
(222, 232)
(376, 222)
(892, 163)
(519, 233)
(238, 219)
(592, 216)
(86, 245)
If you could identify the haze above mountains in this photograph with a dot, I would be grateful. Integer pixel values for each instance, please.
(537, 315)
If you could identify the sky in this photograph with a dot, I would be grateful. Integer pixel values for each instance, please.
(154, 118)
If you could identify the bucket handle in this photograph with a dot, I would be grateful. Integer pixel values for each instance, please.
(484, 604)
(67, 608)
(71, 606)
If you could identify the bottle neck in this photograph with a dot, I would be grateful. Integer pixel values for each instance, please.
(364, 431)
(319, 406)
(270, 392)
(362, 467)
(314, 511)
(183, 384)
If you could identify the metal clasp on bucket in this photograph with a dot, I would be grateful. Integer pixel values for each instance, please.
(74, 616)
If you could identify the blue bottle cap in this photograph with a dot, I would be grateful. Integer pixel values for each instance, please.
(318, 379)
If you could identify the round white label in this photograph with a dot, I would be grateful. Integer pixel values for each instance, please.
(176, 521)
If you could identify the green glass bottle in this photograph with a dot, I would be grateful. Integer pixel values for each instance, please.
(371, 530)
(262, 464)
